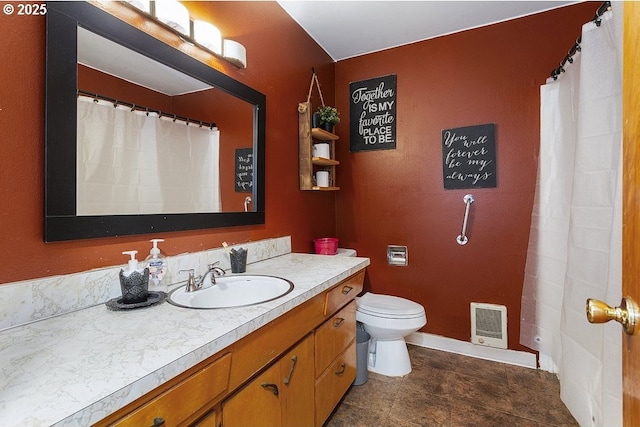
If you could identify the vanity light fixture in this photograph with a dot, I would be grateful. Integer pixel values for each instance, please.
(235, 53)
(174, 14)
(208, 36)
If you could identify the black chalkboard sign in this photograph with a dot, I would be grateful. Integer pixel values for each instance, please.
(372, 114)
(244, 170)
(469, 157)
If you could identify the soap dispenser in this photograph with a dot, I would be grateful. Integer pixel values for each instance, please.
(156, 262)
(134, 282)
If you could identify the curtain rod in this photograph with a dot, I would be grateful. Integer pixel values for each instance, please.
(135, 107)
(576, 47)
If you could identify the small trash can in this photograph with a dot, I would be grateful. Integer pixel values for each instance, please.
(362, 354)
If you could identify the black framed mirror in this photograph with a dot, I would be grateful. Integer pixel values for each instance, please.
(61, 220)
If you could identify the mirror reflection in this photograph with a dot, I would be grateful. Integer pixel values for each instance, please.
(201, 130)
(152, 140)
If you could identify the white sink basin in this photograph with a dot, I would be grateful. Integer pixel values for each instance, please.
(233, 291)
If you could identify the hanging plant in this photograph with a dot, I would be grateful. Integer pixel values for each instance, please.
(328, 115)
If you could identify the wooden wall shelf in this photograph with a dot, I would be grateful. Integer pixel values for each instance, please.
(309, 165)
(321, 161)
(322, 135)
(316, 188)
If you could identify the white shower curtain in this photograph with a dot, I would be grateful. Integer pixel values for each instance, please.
(131, 162)
(575, 243)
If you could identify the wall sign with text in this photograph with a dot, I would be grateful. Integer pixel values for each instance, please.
(469, 157)
(372, 114)
(244, 170)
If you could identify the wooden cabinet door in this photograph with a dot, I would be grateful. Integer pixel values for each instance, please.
(334, 335)
(257, 404)
(283, 395)
(297, 373)
(334, 383)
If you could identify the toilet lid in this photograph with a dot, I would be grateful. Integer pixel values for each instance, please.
(388, 305)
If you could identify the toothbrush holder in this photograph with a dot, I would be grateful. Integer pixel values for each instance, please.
(238, 260)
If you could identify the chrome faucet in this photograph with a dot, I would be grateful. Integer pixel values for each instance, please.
(195, 283)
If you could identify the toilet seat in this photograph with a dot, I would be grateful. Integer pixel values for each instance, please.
(388, 306)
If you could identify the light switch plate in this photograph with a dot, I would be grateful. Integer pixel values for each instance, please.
(397, 255)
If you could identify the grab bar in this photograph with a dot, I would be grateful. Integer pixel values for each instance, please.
(462, 239)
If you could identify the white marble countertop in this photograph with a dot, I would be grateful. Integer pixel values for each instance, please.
(77, 368)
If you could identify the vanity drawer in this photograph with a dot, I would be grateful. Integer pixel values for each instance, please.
(334, 335)
(343, 293)
(185, 398)
(334, 383)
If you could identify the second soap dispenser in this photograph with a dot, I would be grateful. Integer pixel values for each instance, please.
(156, 262)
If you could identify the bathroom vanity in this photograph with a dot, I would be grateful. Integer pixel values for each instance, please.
(284, 362)
(292, 371)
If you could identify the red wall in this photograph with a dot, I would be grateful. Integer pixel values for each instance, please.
(486, 75)
(280, 56)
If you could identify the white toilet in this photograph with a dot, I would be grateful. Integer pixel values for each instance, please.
(388, 319)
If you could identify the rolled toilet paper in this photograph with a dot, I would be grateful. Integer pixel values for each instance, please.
(321, 150)
(322, 178)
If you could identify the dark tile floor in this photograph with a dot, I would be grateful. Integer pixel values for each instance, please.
(446, 389)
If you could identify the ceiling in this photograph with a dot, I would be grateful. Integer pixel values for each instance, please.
(345, 29)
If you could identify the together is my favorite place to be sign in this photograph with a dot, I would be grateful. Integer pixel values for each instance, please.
(372, 114)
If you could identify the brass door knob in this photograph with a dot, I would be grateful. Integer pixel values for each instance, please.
(627, 314)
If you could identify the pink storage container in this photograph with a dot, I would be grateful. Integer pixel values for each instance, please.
(326, 245)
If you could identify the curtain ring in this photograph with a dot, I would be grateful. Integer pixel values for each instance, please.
(147, 111)
(133, 107)
(174, 118)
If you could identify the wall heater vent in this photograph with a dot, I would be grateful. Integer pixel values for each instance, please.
(489, 325)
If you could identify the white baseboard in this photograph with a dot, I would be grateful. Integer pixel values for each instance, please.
(436, 342)
(547, 363)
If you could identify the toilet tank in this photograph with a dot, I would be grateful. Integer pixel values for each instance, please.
(346, 252)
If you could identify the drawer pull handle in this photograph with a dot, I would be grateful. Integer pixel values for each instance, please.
(337, 322)
(287, 379)
(273, 387)
(343, 368)
(346, 290)
(157, 422)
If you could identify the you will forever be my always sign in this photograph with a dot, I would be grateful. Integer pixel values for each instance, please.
(469, 157)
(373, 114)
